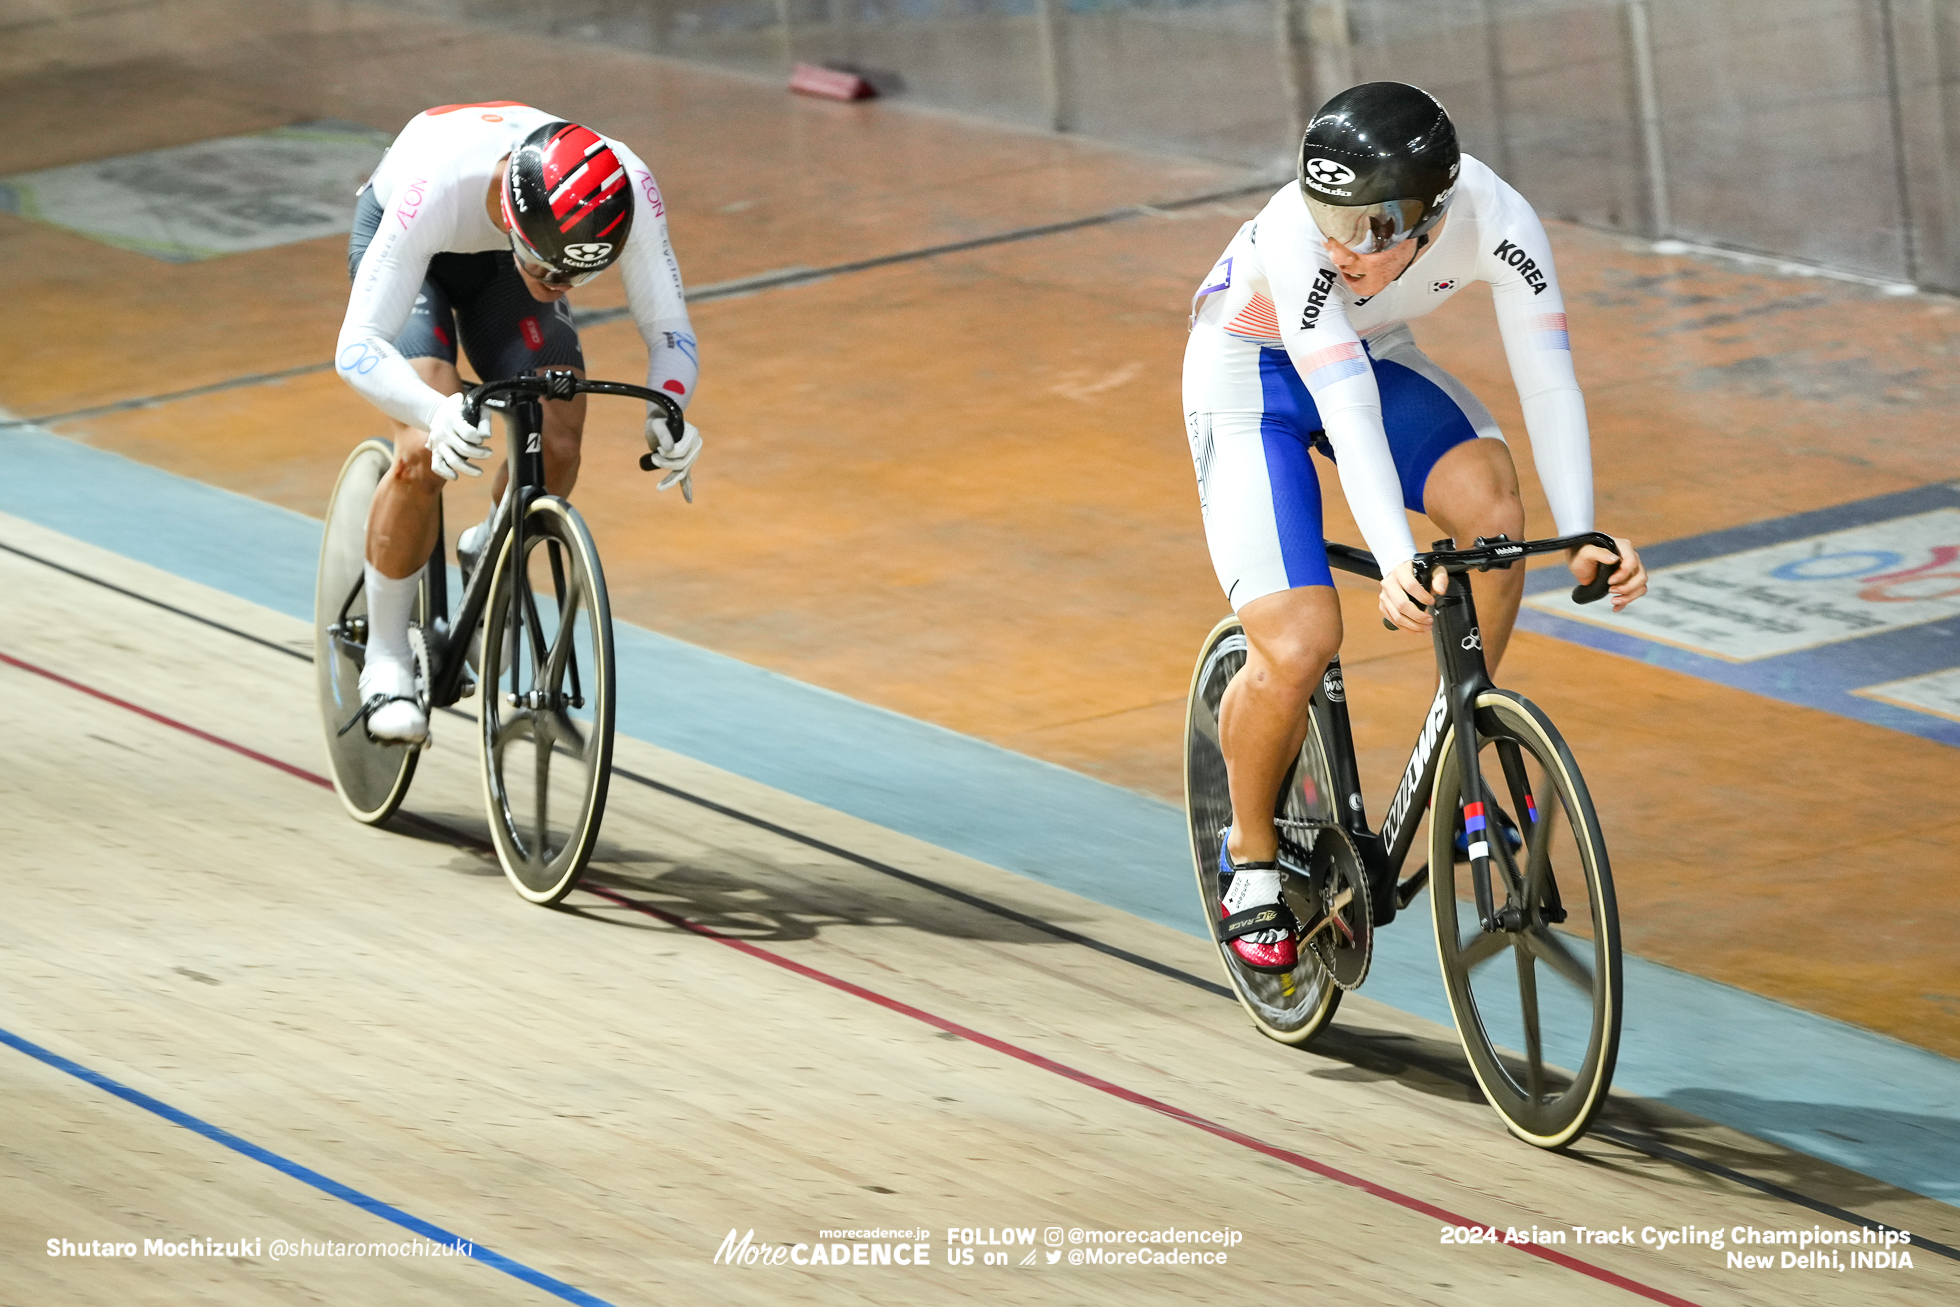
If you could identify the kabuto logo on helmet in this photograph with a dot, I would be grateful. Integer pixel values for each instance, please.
(1326, 174)
(1394, 149)
(568, 200)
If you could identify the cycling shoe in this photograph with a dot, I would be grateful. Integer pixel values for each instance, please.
(1255, 922)
(469, 550)
(389, 702)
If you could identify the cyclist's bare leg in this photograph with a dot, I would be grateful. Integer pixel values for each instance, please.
(1290, 637)
(1473, 491)
(403, 520)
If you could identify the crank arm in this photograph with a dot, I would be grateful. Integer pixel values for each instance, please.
(1341, 900)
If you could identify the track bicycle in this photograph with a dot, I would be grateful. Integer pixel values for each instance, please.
(533, 626)
(1519, 882)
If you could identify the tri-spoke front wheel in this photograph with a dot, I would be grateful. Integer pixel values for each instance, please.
(546, 702)
(1536, 993)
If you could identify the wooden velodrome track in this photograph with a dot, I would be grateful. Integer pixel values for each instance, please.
(239, 1008)
(759, 1016)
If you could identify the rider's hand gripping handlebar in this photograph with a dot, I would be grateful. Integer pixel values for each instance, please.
(1485, 554)
(562, 383)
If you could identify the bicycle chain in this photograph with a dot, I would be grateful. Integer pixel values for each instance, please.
(1297, 840)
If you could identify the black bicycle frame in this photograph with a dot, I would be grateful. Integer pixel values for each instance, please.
(1463, 677)
(520, 400)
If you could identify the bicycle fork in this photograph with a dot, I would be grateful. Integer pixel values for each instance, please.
(527, 483)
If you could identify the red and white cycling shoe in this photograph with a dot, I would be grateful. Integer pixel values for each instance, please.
(1255, 922)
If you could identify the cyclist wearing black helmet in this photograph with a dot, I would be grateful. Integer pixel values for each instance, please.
(478, 222)
(1299, 339)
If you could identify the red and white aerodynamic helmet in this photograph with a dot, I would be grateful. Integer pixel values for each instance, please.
(568, 203)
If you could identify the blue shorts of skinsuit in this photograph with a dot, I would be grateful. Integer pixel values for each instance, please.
(1423, 420)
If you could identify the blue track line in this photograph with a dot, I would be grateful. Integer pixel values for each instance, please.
(387, 1212)
(1852, 1097)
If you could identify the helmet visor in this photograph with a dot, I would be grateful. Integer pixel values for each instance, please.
(534, 264)
(1372, 228)
(539, 270)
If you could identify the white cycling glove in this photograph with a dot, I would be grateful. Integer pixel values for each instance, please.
(453, 442)
(677, 456)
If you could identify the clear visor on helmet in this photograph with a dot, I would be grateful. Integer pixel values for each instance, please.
(527, 259)
(536, 265)
(1372, 228)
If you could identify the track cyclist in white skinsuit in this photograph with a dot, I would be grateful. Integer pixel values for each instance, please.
(476, 225)
(1300, 329)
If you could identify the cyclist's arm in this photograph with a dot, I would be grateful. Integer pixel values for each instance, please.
(653, 289)
(414, 229)
(1327, 354)
(1517, 262)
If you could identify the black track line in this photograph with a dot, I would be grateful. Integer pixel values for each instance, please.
(1638, 1143)
(701, 295)
(701, 801)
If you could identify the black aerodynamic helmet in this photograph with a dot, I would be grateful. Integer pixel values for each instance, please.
(1377, 165)
(568, 204)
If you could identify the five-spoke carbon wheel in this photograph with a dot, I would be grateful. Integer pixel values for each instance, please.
(370, 777)
(546, 703)
(1537, 999)
(1291, 1007)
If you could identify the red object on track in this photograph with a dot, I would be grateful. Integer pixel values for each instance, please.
(829, 83)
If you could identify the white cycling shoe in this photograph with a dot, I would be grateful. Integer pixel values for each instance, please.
(398, 718)
(469, 550)
(469, 555)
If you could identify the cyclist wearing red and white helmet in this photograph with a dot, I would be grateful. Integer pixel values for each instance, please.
(476, 225)
(1300, 340)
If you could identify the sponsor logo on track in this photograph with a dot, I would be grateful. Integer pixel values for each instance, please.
(1778, 599)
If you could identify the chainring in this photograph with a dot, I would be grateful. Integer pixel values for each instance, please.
(1341, 931)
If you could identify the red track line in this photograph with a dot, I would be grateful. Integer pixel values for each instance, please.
(1132, 1096)
(1067, 1072)
(172, 722)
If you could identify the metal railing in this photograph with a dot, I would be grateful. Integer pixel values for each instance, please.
(1820, 131)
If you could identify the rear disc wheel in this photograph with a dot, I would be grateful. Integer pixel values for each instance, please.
(370, 777)
(1293, 1006)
